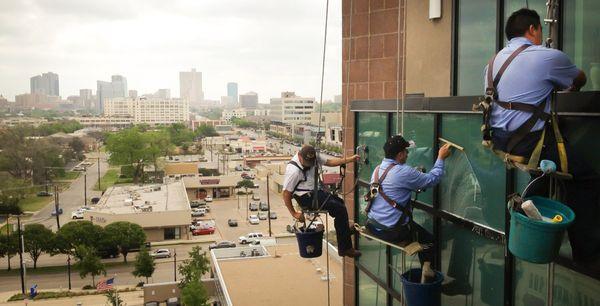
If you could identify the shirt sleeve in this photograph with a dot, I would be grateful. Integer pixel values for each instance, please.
(322, 159)
(418, 180)
(291, 179)
(561, 71)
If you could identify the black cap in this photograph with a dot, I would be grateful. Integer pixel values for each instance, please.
(308, 154)
(395, 145)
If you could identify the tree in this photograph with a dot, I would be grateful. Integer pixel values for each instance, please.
(126, 236)
(37, 239)
(180, 133)
(205, 130)
(113, 298)
(74, 234)
(159, 145)
(77, 145)
(194, 294)
(9, 246)
(194, 267)
(144, 264)
(245, 183)
(89, 263)
(129, 147)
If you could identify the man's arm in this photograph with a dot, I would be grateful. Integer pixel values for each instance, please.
(341, 161)
(420, 180)
(287, 200)
(578, 82)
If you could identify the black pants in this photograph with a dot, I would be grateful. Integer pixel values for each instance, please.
(399, 233)
(336, 208)
(582, 193)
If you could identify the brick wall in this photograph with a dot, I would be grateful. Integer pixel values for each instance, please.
(370, 51)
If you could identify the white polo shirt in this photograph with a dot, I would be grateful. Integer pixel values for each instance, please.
(293, 175)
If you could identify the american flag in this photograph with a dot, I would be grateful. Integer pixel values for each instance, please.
(105, 284)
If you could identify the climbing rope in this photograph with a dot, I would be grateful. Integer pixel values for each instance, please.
(401, 66)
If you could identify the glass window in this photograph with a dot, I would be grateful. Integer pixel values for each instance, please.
(372, 132)
(474, 265)
(361, 204)
(169, 233)
(474, 183)
(531, 283)
(373, 257)
(476, 43)
(419, 128)
(369, 293)
(539, 6)
(581, 38)
(572, 288)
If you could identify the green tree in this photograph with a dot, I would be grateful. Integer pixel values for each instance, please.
(194, 294)
(37, 239)
(180, 134)
(245, 183)
(144, 264)
(126, 236)
(159, 145)
(113, 298)
(129, 147)
(77, 145)
(9, 246)
(74, 234)
(89, 263)
(205, 130)
(194, 267)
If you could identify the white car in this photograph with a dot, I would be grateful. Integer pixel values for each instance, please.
(251, 238)
(161, 253)
(208, 199)
(253, 219)
(78, 214)
(198, 212)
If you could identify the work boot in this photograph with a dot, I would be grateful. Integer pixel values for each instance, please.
(352, 253)
(427, 274)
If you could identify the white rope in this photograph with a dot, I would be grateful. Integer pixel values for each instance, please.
(401, 66)
(345, 122)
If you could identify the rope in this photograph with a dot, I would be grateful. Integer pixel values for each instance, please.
(401, 65)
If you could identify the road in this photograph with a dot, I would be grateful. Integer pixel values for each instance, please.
(73, 198)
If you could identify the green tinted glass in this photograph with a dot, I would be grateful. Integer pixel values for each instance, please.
(373, 257)
(531, 283)
(369, 293)
(372, 132)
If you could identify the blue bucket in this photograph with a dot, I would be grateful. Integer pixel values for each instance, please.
(310, 243)
(539, 241)
(417, 294)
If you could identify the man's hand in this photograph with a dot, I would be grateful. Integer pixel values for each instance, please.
(444, 151)
(353, 158)
(298, 215)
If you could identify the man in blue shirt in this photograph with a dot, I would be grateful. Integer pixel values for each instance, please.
(397, 182)
(530, 79)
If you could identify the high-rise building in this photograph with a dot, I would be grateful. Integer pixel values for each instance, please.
(190, 87)
(232, 91)
(133, 93)
(116, 88)
(227, 101)
(87, 98)
(249, 100)
(32, 101)
(148, 110)
(291, 109)
(47, 83)
(164, 93)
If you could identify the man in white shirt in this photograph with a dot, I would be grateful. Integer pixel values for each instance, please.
(299, 184)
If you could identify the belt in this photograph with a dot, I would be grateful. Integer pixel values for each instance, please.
(381, 226)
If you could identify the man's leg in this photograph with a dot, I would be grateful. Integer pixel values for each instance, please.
(337, 210)
(423, 237)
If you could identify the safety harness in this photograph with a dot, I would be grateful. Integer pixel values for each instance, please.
(537, 113)
(377, 189)
(303, 170)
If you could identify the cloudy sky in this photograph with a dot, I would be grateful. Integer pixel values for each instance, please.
(267, 46)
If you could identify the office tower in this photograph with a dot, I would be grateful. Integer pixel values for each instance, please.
(249, 100)
(164, 93)
(291, 109)
(190, 87)
(117, 87)
(133, 93)
(232, 91)
(119, 84)
(47, 83)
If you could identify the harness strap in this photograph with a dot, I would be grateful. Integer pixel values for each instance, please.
(376, 183)
(520, 133)
(406, 213)
(493, 83)
(291, 162)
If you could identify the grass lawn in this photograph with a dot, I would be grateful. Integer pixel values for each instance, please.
(3, 228)
(109, 179)
(34, 203)
(69, 175)
(61, 269)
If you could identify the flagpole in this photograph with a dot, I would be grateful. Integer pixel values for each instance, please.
(116, 289)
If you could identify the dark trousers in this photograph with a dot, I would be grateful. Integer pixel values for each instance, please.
(400, 233)
(336, 208)
(582, 193)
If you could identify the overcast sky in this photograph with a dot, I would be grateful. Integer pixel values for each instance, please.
(266, 46)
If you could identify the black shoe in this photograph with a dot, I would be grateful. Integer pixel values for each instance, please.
(352, 253)
(456, 288)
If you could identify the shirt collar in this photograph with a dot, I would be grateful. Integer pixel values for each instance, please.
(520, 41)
(390, 161)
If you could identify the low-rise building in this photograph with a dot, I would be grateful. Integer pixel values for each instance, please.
(234, 113)
(151, 111)
(199, 187)
(162, 210)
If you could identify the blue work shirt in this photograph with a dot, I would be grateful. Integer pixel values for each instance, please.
(530, 78)
(398, 186)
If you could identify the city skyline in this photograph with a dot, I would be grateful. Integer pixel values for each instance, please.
(264, 46)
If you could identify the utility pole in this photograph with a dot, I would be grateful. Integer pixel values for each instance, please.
(21, 249)
(69, 269)
(56, 206)
(268, 203)
(99, 187)
(8, 236)
(46, 174)
(175, 265)
(85, 186)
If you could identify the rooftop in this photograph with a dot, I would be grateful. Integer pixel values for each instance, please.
(134, 198)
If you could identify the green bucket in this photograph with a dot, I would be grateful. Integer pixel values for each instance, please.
(539, 241)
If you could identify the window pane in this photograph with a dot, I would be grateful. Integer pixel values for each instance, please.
(419, 128)
(369, 293)
(372, 132)
(539, 6)
(476, 43)
(474, 264)
(572, 288)
(373, 257)
(361, 204)
(475, 179)
(531, 283)
(581, 38)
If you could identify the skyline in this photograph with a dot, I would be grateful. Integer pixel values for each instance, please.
(255, 45)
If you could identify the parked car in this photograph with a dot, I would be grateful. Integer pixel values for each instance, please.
(198, 212)
(95, 200)
(205, 207)
(79, 168)
(253, 219)
(232, 222)
(238, 168)
(222, 245)
(255, 197)
(208, 199)
(263, 206)
(203, 231)
(251, 238)
(161, 253)
(253, 206)
(78, 214)
(44, 194)
(54, 213)
(246, 168)
(273, 215)
(262, 215)
(196, 203)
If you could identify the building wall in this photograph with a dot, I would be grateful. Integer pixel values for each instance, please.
(428, 59)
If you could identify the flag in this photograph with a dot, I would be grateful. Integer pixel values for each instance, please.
(105, 284)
